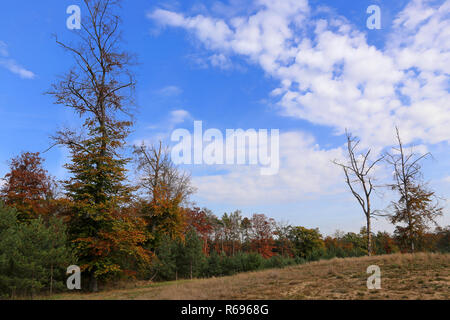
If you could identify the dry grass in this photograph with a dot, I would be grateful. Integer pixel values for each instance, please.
(418, 276)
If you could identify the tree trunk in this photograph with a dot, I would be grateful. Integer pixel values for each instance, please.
(369, 237)
(411, 233)
(51, 278)
(93, 285)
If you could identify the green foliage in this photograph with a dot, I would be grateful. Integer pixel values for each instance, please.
(345, 245)
(183, 259)
(307, 243)
(190, 258)
(180, 258)
(384, 244)
(213, 265)
(33, 256)
(280, 262)
(164, 267)
(443, 239)
(96, 190)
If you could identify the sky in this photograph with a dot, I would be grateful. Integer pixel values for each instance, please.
(310, 69)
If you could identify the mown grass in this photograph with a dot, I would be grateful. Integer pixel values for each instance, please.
(403, 276)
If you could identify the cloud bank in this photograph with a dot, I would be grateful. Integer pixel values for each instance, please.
(330, 75)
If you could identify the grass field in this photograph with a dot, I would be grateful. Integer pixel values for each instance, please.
(403, 276)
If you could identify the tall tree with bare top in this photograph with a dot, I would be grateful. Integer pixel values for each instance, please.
(358, 172)
(165, 188)
(99, 88)
(418, 205)
(158, 174)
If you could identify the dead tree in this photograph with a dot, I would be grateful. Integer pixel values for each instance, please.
(417, 205)
(358, 177)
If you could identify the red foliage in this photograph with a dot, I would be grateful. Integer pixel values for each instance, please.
(28, 186)
(198, 219)
(262, 229)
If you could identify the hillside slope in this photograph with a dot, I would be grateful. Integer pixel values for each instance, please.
(419, 276)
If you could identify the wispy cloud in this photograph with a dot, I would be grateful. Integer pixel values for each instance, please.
(179, 116)
(12, 65)
(170, 91)
(220, 61)
(3, 49)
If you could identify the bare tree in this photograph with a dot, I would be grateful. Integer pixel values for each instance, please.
(101, 83)
(417, 205)
(358, 170)
(159, 173)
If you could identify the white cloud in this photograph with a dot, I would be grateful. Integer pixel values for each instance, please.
(415, 13)
(306, 170)
(170, 91)
(221, 61)
(12, 65)
(330, 75)
(210, 31)
(178, 116)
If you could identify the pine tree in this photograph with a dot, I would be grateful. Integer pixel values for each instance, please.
(191, 258)
(33, 256)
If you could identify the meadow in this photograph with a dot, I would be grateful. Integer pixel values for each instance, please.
(403, 276)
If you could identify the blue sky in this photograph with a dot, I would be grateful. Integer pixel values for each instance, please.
(254, 64)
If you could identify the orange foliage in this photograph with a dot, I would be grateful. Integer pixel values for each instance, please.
(28, 186)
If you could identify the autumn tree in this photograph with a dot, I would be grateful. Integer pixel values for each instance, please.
(99, 88)
(158, 174)
(218, 234)
(358, 172)
(417, 206)
(307, 243)
(385, 244)
(199, 220)
(165, 189)
(232, 230)
(284, 245)
(28, 187)
(261, 234)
